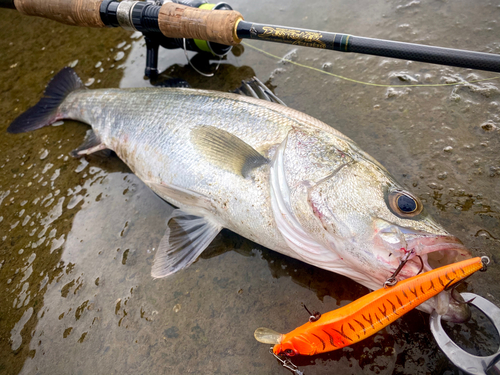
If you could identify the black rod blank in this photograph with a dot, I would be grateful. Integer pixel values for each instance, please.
(349, 43)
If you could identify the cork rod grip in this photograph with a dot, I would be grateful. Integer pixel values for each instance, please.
(180, 21)
(70, 12)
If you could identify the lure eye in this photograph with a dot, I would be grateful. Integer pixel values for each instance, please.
(290, 352)
(404, 205)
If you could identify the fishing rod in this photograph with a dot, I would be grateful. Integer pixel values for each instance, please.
(205, 25)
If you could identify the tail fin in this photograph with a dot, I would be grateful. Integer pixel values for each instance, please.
(45, 111)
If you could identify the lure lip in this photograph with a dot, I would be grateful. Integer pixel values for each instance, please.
(268, 336)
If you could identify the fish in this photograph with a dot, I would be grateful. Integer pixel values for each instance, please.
(369, 314)
(267, 172)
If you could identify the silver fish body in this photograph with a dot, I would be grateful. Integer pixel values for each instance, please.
(272, 174)
(151, 131)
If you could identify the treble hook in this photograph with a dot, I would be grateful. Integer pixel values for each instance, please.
(465, 361)
(453, 290)
(286, 363)
(391, 281)
(314, 316)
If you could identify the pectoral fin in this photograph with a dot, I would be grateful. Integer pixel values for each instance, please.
(181, 195)
(226, 150)
(185, 239)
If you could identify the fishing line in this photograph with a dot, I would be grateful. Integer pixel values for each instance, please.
(194, 67)
(367, 83)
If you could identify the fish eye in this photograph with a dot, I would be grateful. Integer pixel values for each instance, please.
(404, 204)
(407, 204)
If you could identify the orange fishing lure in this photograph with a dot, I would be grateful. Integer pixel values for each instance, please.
(368, 314)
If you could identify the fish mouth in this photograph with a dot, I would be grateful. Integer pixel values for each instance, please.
(431, 252)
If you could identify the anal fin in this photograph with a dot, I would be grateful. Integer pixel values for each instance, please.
(185, 239)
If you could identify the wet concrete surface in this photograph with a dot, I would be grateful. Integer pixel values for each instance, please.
(77, 237)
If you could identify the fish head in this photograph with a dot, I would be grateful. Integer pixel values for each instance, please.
(353, 208)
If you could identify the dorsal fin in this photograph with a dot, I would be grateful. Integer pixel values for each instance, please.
(254, 88)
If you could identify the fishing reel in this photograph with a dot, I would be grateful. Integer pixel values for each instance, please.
(154, 40)
(143, 16)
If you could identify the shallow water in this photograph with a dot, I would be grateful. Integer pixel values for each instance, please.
(77, 238)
